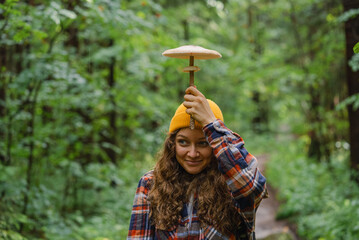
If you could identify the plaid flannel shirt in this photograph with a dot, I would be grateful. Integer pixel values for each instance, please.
(246, 183)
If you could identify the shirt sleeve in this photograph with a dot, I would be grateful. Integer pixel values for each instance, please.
(246, 183)
(140, 227)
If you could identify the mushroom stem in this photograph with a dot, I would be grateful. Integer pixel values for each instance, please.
(191, 73)
(191, 83)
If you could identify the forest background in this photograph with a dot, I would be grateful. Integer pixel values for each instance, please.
(86, 98)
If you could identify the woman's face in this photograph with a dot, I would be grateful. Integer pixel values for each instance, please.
(192, 150)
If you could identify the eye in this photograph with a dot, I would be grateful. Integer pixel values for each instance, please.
(203, 144)
(182, 142)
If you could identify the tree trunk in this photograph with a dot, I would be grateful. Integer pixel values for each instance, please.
(112, 115)
(352, 37)
(3, 84)
(318, 148)
(185, 30)
(260, 119)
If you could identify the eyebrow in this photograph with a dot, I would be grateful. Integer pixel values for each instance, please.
(179, 135)
(202, 138)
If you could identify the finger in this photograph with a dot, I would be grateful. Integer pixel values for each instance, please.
(189, 97)
(194, 91)
(188, 111)
(188, 104)
(191, 112)
(191, 90)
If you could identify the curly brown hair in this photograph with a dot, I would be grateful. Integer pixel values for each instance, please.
(172, 186)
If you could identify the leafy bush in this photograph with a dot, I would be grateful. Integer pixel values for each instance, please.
(103, 202)
(320, 197)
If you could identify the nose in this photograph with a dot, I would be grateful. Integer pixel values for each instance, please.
(192, 152)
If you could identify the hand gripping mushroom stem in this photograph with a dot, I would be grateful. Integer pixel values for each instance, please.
(191, 52)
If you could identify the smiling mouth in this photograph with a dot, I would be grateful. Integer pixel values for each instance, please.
(193, 162)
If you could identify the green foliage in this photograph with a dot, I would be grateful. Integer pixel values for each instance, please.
(86, 97)
(354, 99)
(356, 48)
(105, 196)
(321, 198)
(352, 13)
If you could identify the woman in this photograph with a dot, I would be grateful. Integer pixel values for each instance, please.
(205, 184)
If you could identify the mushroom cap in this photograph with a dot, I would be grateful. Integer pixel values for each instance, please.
(184, 52)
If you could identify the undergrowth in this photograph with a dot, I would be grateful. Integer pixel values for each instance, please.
(103, 210)
(319, 197)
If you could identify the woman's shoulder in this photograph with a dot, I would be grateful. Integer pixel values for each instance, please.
(148, 176)
(146, 179)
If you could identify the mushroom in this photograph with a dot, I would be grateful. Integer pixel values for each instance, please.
(187, 51)
(191, 52)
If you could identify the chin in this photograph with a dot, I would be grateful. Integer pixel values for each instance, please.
(194, 172)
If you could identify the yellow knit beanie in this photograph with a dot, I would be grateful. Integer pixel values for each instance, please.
(181, 119)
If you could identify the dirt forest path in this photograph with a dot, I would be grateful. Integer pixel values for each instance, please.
(267, 227)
